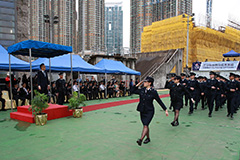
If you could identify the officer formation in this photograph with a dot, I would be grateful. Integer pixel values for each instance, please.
(211, 94)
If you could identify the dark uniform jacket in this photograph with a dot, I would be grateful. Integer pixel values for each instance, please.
(177, 92)
(212, 83)
(202, 87)
(231, 85)
(194, 84)
(146, 99)
(61, 86)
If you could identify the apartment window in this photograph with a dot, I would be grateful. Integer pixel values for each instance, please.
(109, 26)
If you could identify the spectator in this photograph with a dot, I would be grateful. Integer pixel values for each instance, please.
(3, 101)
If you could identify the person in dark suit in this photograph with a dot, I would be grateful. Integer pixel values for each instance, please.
(24, 94)
(3, 101)
(61, 89)
(42, 80)
(212, 85)
(231, 87)
(178, 90)
(192, 88)
(147, 94)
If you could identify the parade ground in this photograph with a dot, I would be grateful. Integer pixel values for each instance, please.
(111, 134)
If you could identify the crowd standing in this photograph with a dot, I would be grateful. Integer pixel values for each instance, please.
(214, 93)
(60, 91)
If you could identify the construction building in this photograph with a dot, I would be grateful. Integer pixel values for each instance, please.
(114, 28)
(91, 25)
(145, 12)
(204, 43)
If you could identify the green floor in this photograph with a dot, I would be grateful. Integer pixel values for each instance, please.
(110, 134)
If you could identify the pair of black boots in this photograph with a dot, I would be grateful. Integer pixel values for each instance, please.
(175, 123)
(139, 141)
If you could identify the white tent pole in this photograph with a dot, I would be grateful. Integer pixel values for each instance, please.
(30, 61)
(106, 84)
(125, 84)
(71, 72)
(50, 75)
(10, 70)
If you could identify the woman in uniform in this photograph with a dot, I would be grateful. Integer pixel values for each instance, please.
(178, 90)
(145, 107)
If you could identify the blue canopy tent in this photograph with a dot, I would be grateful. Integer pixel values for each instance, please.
(115, 67)
(16, 64)
(231, 53)
(37, 49)
(60, 64)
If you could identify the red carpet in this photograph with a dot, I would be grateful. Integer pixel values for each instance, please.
(55, 111)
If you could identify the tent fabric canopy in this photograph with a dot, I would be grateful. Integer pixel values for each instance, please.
(116, 67)
(39, 49)
(62, 63)
(231, 53)
(16, 64)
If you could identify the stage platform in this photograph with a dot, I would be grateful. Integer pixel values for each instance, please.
(54, 111)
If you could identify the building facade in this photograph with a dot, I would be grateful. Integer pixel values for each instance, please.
(63, 32)
(8, 27)
(91, 25)
(114, 28)
(144, 12)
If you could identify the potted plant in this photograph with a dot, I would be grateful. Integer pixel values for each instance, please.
(38, 104)
(76, 102)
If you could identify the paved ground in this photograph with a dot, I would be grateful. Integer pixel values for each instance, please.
(110, 134)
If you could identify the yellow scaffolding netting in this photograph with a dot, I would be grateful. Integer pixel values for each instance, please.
(204, 43)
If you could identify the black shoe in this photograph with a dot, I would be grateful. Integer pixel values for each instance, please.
(139, 142)
(190, 112)
(147, 140)
(173, 123)
(231, 116)
(195, 108)
(228, 114)
(209, 115)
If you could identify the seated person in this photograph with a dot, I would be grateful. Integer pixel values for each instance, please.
(15, 92)
(116, 89)
(24, 93)
(3, 101)
(75, 86)
(53, 94)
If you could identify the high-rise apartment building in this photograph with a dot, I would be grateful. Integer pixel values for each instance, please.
(8, 26)
(93, 23)
(114, 28)
(63, 32)
(144, 12)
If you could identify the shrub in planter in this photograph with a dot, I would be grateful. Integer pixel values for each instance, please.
(38, 104)
(76, 102)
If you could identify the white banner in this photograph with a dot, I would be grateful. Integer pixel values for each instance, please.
(219, 66)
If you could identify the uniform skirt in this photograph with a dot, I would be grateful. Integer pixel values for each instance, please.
(177, 105)
(146, 117)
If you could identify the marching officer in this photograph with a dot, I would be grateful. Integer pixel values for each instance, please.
(168, 84)
(212, 85)
(61, 89)
(220, 92)
(202, 89)
(184, 83)
(231, 87)
(192, 86)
